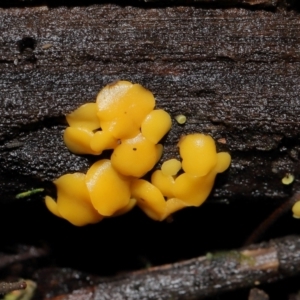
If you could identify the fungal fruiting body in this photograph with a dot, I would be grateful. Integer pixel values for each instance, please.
(288, 179)
(124, 120)
(109, 190)
(296, 210)
(73, 200)
(181, 119)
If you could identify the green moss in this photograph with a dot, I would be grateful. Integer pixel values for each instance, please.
(231, 255)
(29, 193)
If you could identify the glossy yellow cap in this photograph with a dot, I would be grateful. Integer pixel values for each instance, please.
(109, 190)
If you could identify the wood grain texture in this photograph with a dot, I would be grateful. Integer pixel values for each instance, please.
(202, 277)
(234, 73)
(269, 4)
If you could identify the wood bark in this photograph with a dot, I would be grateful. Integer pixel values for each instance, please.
(201, 277)
(233, 72)
(146, 3)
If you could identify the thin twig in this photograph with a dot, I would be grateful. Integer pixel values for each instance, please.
(271, 219)
(202, 277)
(6, 287)
(28, 252)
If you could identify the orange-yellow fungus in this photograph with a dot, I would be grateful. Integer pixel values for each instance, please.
(103, 140)
(122, 107)
(223, 162)
(121, 128)
(112, 98)
(123, 119)
(156, 124)
(159, 151)
(135, 157)
(171, 167)
(149, 198)
(78, 140)
(127, 208)
(193, 190)
(198, 152)
(296, 210)
(83, 121)
(52, 206)
(73, 201)
(108, 189)
(151, 201)
(181, 119)
(173, 205)
(288, 179)
(84, 117)
(165, 183)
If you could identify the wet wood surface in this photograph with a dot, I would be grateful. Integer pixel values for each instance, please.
(269, 4)
(201, 277)
(233, 72)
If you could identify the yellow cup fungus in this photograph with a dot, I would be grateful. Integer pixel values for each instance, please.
(135, 157)
(198, 152)
(84, 117)
(165, 183)
(296, 210)
(181, 119)
(83, 122)
(171, 167)
(109, 190)
(73, 200)
(122, 107)
(102, 140)
(156, 124)
(124, 120)
(79, 140)
(151, 200)
(288, 179)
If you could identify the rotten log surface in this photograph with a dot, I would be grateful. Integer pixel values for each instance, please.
(147, 3)
(201, 277)
(233, 72)
(6, 287)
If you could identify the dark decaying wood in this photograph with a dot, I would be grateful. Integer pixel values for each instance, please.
(24, 253)
(6, 287)
(146, 3)
(257, 294)
(203, 276)
(233, 72)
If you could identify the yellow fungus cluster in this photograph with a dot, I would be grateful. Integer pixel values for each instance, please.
(124, 119)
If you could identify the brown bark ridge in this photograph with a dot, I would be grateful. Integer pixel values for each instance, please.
(147, 3)
(201, 277)
(234, 73)
(6, 287)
